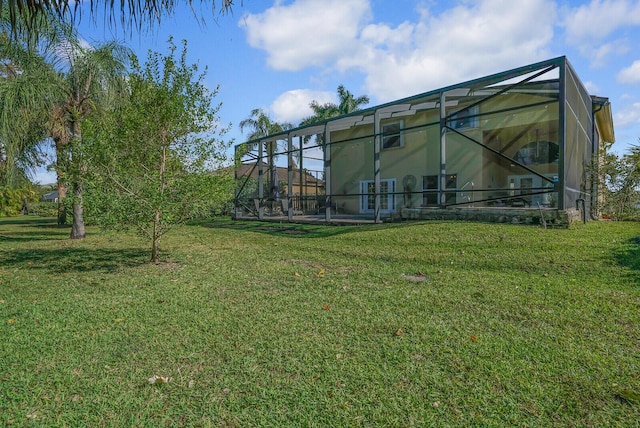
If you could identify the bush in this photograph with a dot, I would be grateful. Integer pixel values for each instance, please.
(12, 200)
(44, 209)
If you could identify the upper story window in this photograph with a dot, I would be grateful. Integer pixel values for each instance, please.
(465, 119)
(538, 152)
(392, 135)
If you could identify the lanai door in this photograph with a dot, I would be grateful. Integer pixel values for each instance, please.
(387, 196)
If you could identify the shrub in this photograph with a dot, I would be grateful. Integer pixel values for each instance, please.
(44, 209)
(12, 200)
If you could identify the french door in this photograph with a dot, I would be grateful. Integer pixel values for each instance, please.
(387, 196)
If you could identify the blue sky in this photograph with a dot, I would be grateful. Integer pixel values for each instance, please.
(280, 55)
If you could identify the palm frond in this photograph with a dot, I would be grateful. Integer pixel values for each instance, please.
(24, 16)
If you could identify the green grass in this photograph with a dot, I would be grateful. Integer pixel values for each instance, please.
(272, 325)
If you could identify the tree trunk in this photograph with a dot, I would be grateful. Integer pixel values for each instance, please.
(60, 174)
(157, 216)
(155, 244)
(62, 194)
(77, 228)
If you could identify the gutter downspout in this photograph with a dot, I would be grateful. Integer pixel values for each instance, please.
(595, 150)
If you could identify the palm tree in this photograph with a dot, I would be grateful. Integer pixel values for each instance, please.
(347, 104)
(21, 125)
(20, 151)
(65, 81)
(25, 14)
(261, 125)
(95, 79)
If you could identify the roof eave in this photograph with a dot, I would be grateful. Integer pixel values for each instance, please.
(604, 118)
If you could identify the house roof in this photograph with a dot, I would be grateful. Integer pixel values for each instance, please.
(50, 195)
(423, 100)
(251, 170)
(482, 86)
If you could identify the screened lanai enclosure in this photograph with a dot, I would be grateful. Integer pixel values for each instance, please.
(517, 146)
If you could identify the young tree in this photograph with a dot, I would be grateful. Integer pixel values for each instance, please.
(153, 157)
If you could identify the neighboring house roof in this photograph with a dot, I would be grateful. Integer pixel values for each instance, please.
(50, 196)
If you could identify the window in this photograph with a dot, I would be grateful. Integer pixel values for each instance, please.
(392, 135)
(451, 182)
(538, 152)
(430, 190)
(465, 119)
(431, 187)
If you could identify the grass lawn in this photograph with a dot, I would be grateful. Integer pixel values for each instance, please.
(273, 325)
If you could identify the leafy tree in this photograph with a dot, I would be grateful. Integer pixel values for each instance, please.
(153, 156)
(621, 184)
(14, 200)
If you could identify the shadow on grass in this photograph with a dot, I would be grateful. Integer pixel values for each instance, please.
(629, 256)
(25, 236)
(73, 260)
(24, 229)
(296, 230)
(32, 221)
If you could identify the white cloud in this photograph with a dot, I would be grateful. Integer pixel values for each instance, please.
(306, 32)
(293, 106)
(628, 116)
(68, 51)
(592, 87)
(470, 40)
(598, 19)
(630, 74)
(600, 55)
(462, 43)
(589, 25)
(43, 176)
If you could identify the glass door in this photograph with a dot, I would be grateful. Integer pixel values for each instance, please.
(387, 196)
